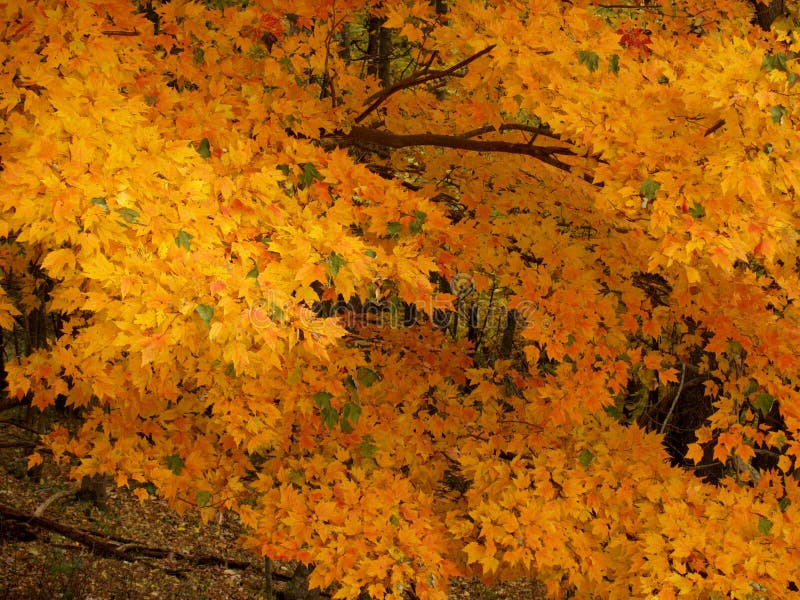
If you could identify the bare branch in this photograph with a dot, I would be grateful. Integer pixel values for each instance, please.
(418, 78)
(674, 400)
(19, 426)
(657, 9)
(60, 494)
(121, 33)
(546, 154)
(512, 127)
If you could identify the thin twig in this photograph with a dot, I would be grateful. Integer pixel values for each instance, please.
(414, 79)
(121, 33)
(714, 127)
(674, 400)
(511, 127)
(657, 9)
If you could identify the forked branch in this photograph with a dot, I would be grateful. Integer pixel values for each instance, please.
(420, 77)
(380, 137)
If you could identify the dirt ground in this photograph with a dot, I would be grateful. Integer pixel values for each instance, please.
(36, 563)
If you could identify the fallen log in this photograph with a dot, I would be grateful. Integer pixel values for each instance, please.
(118, 547)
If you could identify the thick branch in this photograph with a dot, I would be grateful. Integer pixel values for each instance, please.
(9, 403)
(546, 154)
(113, 547)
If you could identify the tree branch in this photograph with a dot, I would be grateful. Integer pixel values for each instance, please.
(114, 547)
(546, 154)
(544, 131)
(674, 400)
(416, 79)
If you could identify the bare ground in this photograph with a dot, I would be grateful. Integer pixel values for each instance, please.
(36, 563)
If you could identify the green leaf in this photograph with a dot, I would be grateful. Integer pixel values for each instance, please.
(297, 477)
(772, 62)
(394, 520)
(335, 262)
(367, 448)
(394, 228)
(252, 273)
(649, 188)
(101, 202)
(329, 416)
(615, 412)
(346, 426)
(183, 239)
(366, 376)
(199, 56)
(663, 79)
(416, 225)
(697, 211)
(206, 312)
(764, 403)
(203, 498)
(230, 370)
(751, 387)
(350, 414)
(322, 399)
(284, 169)
(784, 503)
(613, 64)
(175, 463)
(350, 384)
(129, 215)
(276, 312)
(588, 58)
(585, 457)
(204, 149)
(309, 174)
(777, 113)
(764, 525)
(371, 253)
(792, 78)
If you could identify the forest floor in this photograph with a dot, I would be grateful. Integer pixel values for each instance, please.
(170, 556)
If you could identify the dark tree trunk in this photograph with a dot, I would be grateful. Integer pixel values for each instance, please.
(767, 12)
(379, 49)
(507, 345)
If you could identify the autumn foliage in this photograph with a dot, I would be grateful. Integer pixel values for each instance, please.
(256, 231)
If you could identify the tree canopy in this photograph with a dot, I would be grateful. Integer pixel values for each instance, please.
(420, 289)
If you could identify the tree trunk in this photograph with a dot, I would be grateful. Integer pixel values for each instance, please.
(766, 13)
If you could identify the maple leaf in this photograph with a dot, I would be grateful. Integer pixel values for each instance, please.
(287, 211)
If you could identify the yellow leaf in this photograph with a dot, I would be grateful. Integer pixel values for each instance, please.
(55, 261)
(489, 564)
(784, 463)
(692, 274)
(474, 552)
(7, 313)
(309, 273)
(98, 267)
(668, 375)
(236, 353)
(396, 16)
(695, 453)
(34, 459)
(652, 360)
